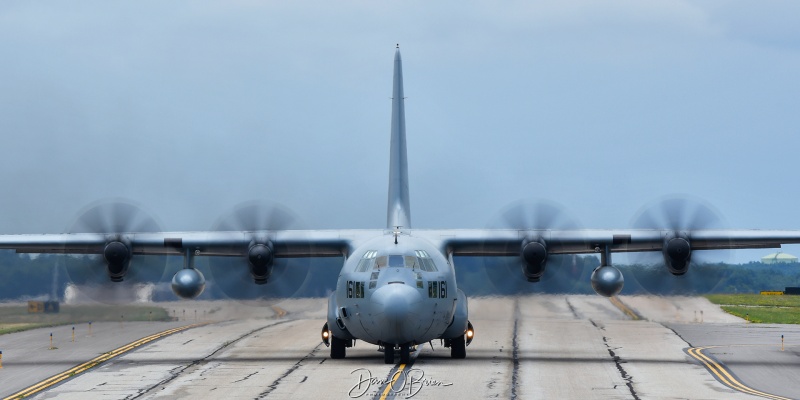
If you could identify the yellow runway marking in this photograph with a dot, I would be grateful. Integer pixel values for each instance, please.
(280, 313)
(94, 362)
(723, 375)
(397, 374)
(624, 308)
(394, 379)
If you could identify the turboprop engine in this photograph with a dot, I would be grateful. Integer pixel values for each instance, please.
(259, 259)
(117, 256)
(534, 256)
(677, 253)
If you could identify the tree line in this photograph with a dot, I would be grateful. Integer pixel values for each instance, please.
(24, 276)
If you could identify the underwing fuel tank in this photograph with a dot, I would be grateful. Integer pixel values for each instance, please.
(607, 281)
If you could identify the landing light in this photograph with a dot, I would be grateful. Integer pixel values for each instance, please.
(470, 334)
(326, 335)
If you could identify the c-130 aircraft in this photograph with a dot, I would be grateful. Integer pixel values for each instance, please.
(397, 288)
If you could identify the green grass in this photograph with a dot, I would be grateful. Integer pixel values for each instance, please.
(759, 308)
(17, 318)
(766, 315)
(754, 300)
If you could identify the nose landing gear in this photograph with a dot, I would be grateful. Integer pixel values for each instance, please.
(388, 354)
(405, 353)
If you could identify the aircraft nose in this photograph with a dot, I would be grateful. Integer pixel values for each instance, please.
(396, 305)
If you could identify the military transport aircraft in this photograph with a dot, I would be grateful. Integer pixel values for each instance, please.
(397, 288)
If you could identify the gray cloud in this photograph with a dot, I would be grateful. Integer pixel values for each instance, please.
(192, 107)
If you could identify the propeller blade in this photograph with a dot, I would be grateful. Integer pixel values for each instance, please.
(231, 276)
(679, 213)
(506, 277)
(88, 273)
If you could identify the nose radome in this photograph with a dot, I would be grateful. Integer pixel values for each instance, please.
(396, 299)
(396, 302)
(396, 305)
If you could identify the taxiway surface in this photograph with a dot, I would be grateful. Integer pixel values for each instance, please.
(542, 346)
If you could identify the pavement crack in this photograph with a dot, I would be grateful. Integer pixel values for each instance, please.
(677, 334)
(618, 361)
(572, 308)
(596, 325)
(176, 372)
(246, 377)
(298, 364)
(515, 352)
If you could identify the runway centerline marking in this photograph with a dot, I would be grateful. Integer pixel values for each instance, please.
(396, 373)
(725, 376)
(625, 309)
(79, 369)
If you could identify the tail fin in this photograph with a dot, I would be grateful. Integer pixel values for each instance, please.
(399, 209)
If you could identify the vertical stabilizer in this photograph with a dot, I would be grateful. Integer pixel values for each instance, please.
(399, 210)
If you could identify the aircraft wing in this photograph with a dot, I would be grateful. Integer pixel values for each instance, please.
(508, 242)
(285, 243)
(335, 243)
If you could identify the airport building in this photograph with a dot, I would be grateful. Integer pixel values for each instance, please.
(778, 258)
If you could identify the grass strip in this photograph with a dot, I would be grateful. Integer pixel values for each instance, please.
(766, 315)
(752, 299)
(17, 319)
(758, 308)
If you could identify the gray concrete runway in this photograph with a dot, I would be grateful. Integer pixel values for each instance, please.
(28, 359)
(544, 347)
(753, 353)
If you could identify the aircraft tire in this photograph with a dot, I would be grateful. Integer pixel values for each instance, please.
(338, 350)
(388, 354)
(458, 348)
(405, 353)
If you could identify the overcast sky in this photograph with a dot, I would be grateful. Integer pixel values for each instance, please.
(192, 107)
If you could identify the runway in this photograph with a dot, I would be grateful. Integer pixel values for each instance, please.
(542, 346)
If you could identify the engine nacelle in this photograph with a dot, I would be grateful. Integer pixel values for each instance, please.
(607, 281)
(534, 257)
(260, 259)
(677, 254)
(188, 283)
(118, 257)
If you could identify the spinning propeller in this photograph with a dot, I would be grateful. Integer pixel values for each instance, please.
(534, 214)
(681, 215)
(113, 276)
(259, 275)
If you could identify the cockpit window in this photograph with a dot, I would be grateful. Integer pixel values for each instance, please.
(396, 261)
(425, 261)
(366, 261)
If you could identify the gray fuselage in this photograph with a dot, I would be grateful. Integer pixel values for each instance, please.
(394, 294)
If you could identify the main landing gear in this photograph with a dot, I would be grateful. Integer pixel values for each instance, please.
(458, 347)
(338, 348)
(388, 354)
(338, 345)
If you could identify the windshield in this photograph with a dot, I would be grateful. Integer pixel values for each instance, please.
(396, 261)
